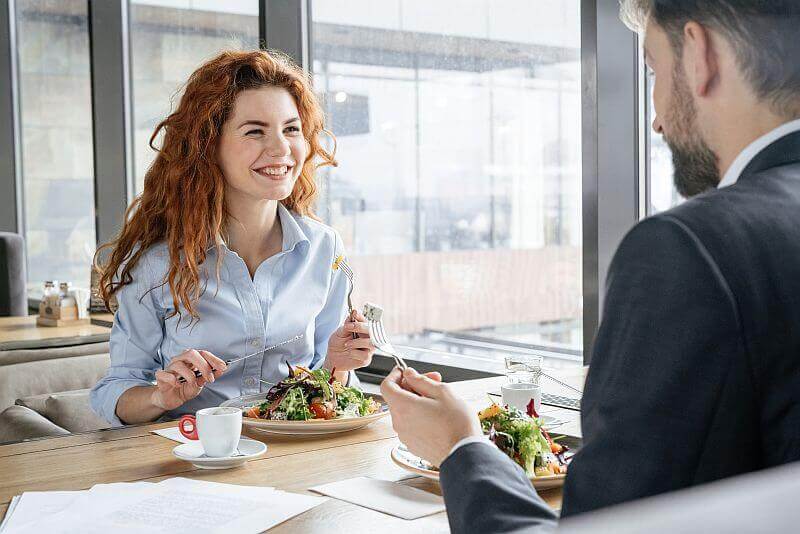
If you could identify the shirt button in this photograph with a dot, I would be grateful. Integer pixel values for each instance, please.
(249, 381)
(255, 342)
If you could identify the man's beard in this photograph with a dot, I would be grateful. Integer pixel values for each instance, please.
(694, 163)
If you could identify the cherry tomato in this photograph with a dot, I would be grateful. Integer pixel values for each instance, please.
(320, 411)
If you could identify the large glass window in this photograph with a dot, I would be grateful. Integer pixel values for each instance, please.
(458, 193)
(57, 158)
(169, 40)
(662, 192)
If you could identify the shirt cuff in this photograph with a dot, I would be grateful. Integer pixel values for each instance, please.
(467, 441)
(104, 397)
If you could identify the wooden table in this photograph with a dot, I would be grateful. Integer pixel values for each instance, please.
(134, 454)
(22, 333)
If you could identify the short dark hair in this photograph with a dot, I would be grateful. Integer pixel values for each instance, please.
(765, 35)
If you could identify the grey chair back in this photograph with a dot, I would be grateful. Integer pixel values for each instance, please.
(13, 279)
(764, 501)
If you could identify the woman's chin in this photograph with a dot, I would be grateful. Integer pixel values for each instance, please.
(262, 189)
(277, 191)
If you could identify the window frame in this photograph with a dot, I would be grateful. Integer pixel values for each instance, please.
(615, 150)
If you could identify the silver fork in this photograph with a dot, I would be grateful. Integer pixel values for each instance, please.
(378, 335)
(341, 263)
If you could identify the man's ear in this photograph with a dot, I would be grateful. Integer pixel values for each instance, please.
(700, 58)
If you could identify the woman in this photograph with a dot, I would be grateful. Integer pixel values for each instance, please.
(221, 256)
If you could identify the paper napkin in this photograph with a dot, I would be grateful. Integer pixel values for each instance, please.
(384, 496)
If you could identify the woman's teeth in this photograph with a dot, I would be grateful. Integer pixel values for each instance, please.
(273, 171)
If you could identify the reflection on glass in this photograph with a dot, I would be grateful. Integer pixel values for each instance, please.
(458, 193)
(56, 107)
(169, 40)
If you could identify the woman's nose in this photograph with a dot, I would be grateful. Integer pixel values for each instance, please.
(278, 146)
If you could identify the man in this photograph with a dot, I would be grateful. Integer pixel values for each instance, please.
(695, 374)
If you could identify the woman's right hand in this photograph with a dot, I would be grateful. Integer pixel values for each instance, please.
(169, 393)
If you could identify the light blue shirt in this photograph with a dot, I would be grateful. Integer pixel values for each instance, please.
(294, 292)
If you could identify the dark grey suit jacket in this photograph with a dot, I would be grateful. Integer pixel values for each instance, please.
(695, 374)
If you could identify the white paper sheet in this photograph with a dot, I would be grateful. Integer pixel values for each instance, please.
(176, 505)
(82, 508)
(33, 505)
(9, 512)
(384, 496)
(172, 433)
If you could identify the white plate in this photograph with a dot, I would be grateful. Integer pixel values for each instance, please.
(548, 421)
(193, 452)
(314, 427)
(410, 462)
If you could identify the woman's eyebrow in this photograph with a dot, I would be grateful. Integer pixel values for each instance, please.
(256, 122)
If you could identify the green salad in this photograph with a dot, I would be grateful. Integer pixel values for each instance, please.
(309, 395)
(522, 437)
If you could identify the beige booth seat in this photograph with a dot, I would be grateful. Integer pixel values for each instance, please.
(50, 388)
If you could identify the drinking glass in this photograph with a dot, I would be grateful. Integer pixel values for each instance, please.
(523, 369)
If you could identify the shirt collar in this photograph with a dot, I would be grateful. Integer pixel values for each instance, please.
(293, 234)
(752, 150)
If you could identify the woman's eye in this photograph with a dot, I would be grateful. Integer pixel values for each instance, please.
(254, 132)
(292, 129)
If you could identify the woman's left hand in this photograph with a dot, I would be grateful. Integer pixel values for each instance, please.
(346, 353)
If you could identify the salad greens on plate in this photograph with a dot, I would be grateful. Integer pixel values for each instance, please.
(312, 395)
(523, 438)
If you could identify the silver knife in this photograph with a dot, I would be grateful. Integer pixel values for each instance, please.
(282, 343)
(198, 374)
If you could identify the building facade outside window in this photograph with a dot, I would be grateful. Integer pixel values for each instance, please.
(56, 123)
(169, 40)
(458, 193)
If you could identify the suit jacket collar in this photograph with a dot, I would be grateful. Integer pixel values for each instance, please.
(783, 151)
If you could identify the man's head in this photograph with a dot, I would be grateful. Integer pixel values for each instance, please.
(723, 69)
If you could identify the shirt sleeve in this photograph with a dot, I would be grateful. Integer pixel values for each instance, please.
(134, 344)
(333, 312)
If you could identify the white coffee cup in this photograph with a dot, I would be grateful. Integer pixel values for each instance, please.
(218, 429)
(519, 395)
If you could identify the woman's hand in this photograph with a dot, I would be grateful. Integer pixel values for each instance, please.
(346, 353)
(169, 393)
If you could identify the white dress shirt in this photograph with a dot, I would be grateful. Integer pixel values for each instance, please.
(294, 292)
(752, 150)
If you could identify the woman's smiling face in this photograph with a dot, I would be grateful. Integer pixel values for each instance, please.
(262, 149)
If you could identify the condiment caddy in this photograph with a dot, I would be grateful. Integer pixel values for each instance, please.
(61, 305)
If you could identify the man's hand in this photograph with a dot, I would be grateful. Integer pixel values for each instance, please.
(427, 416)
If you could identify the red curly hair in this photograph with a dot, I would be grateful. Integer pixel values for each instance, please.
(186, 168)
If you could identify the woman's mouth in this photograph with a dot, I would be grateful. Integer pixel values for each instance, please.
(275, 172)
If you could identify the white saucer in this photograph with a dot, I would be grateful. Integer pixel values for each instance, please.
(193, 452)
